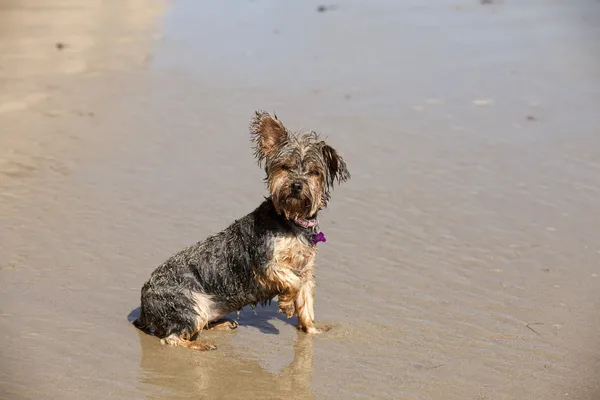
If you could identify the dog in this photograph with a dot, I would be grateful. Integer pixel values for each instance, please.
(269, 252)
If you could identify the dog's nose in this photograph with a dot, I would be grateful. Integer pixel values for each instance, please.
(296, 187)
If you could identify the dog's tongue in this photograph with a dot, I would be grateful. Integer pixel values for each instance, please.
(306, 223)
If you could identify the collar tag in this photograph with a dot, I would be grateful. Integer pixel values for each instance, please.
(318, 237)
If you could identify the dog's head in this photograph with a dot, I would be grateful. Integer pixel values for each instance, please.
(301, 169)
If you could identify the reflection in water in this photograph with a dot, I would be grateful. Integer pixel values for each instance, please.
(181, 373)
(227, 373)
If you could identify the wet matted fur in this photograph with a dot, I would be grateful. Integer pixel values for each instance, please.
(267, 253)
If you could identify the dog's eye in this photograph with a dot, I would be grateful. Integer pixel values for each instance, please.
(286, 167)
(314, 173)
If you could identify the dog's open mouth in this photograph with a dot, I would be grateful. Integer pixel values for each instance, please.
(306, 222)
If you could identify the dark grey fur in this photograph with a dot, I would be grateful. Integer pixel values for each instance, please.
(225, 265)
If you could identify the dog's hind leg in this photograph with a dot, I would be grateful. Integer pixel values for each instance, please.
(182, 337)
(224, 324)
(182, 317)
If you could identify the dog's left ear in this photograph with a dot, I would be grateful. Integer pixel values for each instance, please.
(268, 134)
(335, 165)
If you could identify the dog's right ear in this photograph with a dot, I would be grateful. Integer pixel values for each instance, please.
(268, 134)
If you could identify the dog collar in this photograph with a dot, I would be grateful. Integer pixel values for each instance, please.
(313, 225)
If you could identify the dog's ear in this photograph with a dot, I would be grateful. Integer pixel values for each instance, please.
(268, 134)
(336, 166)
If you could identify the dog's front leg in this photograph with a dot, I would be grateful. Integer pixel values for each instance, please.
(305, 306)
(287, 284)
(286, 303)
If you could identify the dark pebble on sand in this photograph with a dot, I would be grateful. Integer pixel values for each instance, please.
(323, 8)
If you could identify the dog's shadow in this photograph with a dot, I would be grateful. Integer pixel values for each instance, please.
(259, 318)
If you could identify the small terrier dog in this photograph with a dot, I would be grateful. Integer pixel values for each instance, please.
(269, 252)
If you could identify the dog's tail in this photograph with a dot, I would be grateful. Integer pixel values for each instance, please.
(141, 324)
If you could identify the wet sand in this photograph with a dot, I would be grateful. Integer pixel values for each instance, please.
(462, 258)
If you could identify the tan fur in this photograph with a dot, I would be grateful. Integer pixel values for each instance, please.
(279, 186)
(315, 184)
(293, 259)
(304, 303)
(276, 181)
(222, 325)
(279, 181)
(206, 309)
(291, 274)
(271, 133)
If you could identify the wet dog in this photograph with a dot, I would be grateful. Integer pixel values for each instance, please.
(269, 252)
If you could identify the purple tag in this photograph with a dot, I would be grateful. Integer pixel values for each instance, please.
(318, 237)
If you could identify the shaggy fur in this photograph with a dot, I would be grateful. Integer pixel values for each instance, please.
(267, 253)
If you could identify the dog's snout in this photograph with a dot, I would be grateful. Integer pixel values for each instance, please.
(296, 187)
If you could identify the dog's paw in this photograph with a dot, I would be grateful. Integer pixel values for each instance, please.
(287, 309)
(222, 325)
(314, 330)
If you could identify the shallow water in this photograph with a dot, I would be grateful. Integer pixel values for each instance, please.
(462, 257)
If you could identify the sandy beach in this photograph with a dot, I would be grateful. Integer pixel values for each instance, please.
(462, 259)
